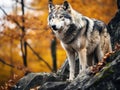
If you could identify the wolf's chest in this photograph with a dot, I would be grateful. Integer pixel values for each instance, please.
(69, 35)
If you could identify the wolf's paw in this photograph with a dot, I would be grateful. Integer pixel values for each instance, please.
(82, 71)
(86, 71)
(69, 80)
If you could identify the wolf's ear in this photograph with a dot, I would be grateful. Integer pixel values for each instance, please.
(50, 5)
(66, 5)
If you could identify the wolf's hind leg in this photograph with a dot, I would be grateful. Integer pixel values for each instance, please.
(99, 53)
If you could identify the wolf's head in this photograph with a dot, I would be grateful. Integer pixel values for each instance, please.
(59, 15)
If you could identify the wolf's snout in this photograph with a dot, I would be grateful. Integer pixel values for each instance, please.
(54, 27)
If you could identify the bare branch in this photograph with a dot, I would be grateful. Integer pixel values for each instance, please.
(28, 7)
(40, 58)
(3, 11)
(11, 18)
(3, 61)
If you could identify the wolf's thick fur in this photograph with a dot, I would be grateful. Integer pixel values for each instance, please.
(78, 34)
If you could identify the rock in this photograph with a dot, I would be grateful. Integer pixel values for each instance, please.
(107, 79)
(38, 79)
(54, 86)
(64, 70)
(35, 79)
(114, 27)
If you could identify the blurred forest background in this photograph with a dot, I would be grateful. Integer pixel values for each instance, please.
(26, 42)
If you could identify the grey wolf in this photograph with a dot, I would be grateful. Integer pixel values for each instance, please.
(80, 36)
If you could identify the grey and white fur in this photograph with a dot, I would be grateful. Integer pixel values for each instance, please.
(79, 35)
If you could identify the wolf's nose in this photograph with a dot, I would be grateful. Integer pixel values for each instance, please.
(54, 27)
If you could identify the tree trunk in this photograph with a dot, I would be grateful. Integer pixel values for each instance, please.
(53, 54)
(23, 41)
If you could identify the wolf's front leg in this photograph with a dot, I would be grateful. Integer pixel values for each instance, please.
(82, 60)
(71, 60)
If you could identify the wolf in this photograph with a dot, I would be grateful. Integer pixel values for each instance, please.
(80, 36)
